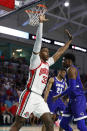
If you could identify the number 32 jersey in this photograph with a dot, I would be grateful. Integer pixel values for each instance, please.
(38, 77)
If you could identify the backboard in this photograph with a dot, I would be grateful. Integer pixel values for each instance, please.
(8, 7)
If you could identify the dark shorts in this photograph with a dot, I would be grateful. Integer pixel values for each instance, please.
(76, 108)
(55, 107)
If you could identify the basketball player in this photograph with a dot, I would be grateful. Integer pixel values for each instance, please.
(77, 103)
(31, 100)
(55, 86)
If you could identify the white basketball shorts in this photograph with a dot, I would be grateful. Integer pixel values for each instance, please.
(31, 102)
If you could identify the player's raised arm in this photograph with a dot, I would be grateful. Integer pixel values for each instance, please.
(37, 45)
(61, 50)
(49, 85)
(38, 42)
(35, 59)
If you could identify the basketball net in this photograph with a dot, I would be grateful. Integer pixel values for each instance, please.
(34, 14)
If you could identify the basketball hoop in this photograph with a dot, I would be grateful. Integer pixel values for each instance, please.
(34, 14)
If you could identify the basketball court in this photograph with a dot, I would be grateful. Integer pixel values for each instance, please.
(33, 128)
(23, 16)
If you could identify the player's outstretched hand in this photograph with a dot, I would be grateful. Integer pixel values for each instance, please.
(68, 33)
(42, 18)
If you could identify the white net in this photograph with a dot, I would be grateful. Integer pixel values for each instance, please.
(34, 14)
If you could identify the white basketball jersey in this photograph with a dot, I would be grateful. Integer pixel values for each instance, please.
(38, 77)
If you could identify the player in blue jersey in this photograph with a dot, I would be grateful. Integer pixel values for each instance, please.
(77, 103)
(56, 85)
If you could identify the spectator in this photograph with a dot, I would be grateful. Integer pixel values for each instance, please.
(8, 102)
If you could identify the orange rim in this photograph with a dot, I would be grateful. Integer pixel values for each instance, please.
(40, 5)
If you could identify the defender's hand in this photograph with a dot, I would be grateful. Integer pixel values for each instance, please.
(42, 18)
(68, 33)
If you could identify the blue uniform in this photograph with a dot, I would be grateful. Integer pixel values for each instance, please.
(77, 101)
(78, 91)
(76, 106)
(57, 88)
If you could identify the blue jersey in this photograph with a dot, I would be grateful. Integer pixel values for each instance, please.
(78, 90)
(57, 88)
(77, 102)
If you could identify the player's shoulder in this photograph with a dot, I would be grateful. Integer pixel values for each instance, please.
(51, 80)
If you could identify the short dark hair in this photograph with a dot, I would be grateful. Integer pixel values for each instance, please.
(70, 56)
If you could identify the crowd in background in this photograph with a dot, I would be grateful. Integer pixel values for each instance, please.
(13, 78)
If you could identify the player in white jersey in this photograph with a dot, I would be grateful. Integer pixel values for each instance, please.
(31, 100)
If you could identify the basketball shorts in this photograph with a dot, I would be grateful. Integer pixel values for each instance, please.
(31, 102)
(76, 108)
(55, 107)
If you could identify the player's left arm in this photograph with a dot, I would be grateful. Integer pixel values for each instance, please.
(35, 58)
(61, 50)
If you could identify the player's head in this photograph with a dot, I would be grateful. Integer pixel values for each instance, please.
(62, 73)
(68, 60)
(44, 53)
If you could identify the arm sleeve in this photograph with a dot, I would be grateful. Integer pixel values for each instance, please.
(65, 92)
(72, 85)
(35, 58)
(38, 42)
